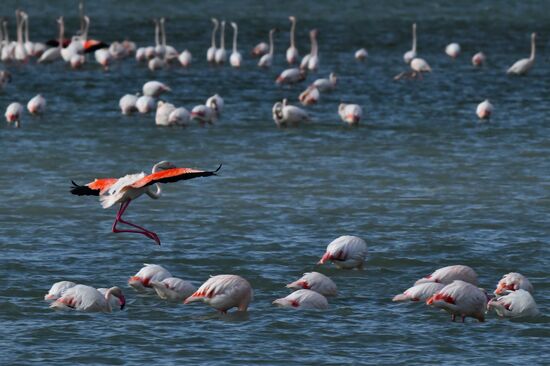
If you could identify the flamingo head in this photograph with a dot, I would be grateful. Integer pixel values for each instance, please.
(325, 258)
(117, 292)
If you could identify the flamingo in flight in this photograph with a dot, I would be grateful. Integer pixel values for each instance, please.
(125, 189)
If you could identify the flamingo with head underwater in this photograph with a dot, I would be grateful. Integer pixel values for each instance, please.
(129, 187)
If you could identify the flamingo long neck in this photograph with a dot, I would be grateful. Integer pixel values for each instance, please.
(61, 32)
(271, 42)
(235, 38)
(6, 34)
(163, 32)
(314, 49)
(532, 57)
(157, 37)
(108, 295)
(414, 38)
(222, 36)
(214, 34)
(19, 27)
(292, 30)
(86, 28)
(26, 20)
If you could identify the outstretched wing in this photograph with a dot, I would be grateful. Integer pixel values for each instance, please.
(95, 188)
(172, 175)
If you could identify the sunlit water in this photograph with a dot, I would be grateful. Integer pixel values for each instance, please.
(420, 180)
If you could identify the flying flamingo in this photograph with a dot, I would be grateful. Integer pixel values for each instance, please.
(461, 298)
(523, 66)
(125, 189)
(224, 292)
(315, 281)
(513, 281)
(346, 252)
(303, 299)
(292, 51)
(141, 281)
(86, 298)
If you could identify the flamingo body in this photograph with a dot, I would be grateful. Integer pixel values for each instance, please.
(303, 299)
(145, 104)
(478, 59)
(346, 252)
(37, 105)
(128, 103)
(155, 88)
(58, 289)
(13, 113)
(291, 76)
(179, 116)
(86, 298)
(326, 85)
(350, 113)
(513, 281)
(224, 292)
(285, 115)
(173, 289)
(517, 304)
(141, 281)
(447, 275)
(484, 109)
(452, 50)
(522, 67)
(315, 281)
(420, 292)
(461, 298)
(185, 58)
(361, 54)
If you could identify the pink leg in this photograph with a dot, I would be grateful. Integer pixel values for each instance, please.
(143, 231)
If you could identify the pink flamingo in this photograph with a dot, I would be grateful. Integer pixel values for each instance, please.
(224, 292)
(123, 190)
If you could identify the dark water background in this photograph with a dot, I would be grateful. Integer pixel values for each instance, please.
(420, 180)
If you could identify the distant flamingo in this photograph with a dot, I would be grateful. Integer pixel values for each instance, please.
(350, 113)
(155, 88)
(86, 298)
(452, 50)
(224, 292)
(317, 282)
(522, 67)
(235, 59)
(410, 55)
(127, 104)
(37, 105)
(346, 252)
(13, 114)
(478, 59)
(292, 51)
(484, 109)
(309, 96)
(125, 189)
(291, 76)
(267, 59)
(211, 53)
(361, 54)
(260, 49)
(303, 299)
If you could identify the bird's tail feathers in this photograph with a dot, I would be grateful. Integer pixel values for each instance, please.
(109, 200)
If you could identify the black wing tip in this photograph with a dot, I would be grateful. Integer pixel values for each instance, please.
(217, 170)
(82, 190)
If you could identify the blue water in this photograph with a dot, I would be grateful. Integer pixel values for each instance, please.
(421, 180)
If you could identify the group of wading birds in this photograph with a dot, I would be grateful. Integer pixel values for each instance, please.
(161, 55)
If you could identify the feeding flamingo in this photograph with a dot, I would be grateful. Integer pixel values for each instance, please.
(303, 299)
(350, 113)
(325, 85)
(461, 298)
(420, 292)
(516, 304)
(13, 113)
(478, 59)
(37, 105)
(346, 252)
(315, 281)
(447, 275)
(260, 49)
(309, 96)
(484, 109)
(361, 54)
(125, 189)
(173, 289)
(513, 281)
(291, 76)
(86, 298)
(127, 104)
(267, 59)
(141, 281)
(224, 292)
(452, 50)
(235, 59)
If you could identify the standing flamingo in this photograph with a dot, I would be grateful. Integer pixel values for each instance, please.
(235, 59)
(125, 189)
(211, 53)
(410, 55)
(346, 252)
(361, 54)
(224, 292)
(522, 67)
(284, 114)
(86, 298)
(54, 53)
(292, 52)
(221, 53)
(267, 59)
(461, 298)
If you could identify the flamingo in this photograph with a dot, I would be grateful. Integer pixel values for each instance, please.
(484, 109)
(159, 47)
(291, 76)
(145, 104)
(315, 281)
(35, 49)
(185, 58)
(125, 189)
(86, 298)
(522, 67)
(141, 281)
(20, 52)
(221, 54)
(211, 53)
(326, 85)
(13, 114)
(313, 60)
(156, 64)
(7, 46)
(447, 275)
(478, 59)
(179, 116)
(303, 299)
(103, 57)
(223, 292)
(517, 304)
(163, 112)
(513, 281)
(309, 96)
(203, 114)
(267, 59)
(361, 54)
(173, 289)
(292, 52)
(58, 289)
(170, 52)
(155, 88)
(77, 61)
(54, 53)
(235, 59)
(410, 55)
(37, 105)
(420, 292)
(285, 115)
(346, 252)
(260, 49)
(418, 66)
(216, 103)
(453, 50)
(350, 113)
(128, 103)
(461, 298)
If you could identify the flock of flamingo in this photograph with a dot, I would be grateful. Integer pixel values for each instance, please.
(73, 51)
(453, 288)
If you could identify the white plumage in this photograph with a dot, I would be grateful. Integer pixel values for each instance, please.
(224, 292)
(315, 281)
(173, 289)
(346, 252)
(461, 298)
(303, 299)
(150, 272)
(517, 304)
(420, 292)
(513, 281)
(447, 275)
